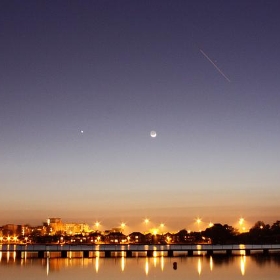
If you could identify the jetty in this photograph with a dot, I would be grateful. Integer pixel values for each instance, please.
(133, 250)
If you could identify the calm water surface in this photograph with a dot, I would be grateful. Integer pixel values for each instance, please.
(197, 267)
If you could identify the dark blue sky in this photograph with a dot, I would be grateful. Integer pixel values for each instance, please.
(119, 69)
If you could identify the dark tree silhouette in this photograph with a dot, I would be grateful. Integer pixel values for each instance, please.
(275, 228)
(259, 233)
(220, 234)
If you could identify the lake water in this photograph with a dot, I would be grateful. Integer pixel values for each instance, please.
(196, 267)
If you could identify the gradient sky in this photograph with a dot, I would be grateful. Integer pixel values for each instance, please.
(117, 70)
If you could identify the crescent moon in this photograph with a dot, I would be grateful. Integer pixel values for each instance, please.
(153, 134)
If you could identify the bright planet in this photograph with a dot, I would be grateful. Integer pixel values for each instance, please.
(153, 134)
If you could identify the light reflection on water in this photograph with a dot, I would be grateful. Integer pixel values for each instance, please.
(211, 263)
(242, 264)
(147, 266)
(199, 267)
(158, 266)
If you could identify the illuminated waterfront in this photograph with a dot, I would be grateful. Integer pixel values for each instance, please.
(198, 267)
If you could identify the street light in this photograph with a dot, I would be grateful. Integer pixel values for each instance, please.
(123, 225)
(241, 224)
(155, 231)
(162, 225)
(198, 221)
(97, 224)
(146, 221)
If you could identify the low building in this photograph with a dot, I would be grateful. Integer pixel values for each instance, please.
(74, 228)
(136, 238)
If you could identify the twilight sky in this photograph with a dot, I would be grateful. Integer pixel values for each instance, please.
(117, 69)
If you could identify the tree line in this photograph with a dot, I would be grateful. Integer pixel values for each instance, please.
(260, 233)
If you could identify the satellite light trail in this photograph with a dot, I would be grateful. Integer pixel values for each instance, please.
(220, 71)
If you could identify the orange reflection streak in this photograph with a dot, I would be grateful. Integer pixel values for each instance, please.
(147, 266)
(242, 264)
(162, 263)
(199, 267)
(48, 266)
(0, 256)
(155, 259)
(211, 263)
(122, 263)
(97, 264)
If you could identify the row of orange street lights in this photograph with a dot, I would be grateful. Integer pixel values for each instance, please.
(198, 221)
(155, 231)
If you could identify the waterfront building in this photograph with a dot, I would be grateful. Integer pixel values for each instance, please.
(75, 228)
(136, 238)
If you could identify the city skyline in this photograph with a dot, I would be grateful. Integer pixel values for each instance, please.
(148, 225)
(84, 83)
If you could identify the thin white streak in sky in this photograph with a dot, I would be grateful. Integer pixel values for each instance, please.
(220, 71)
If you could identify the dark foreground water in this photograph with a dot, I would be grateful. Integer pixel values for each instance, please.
(197, 267)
